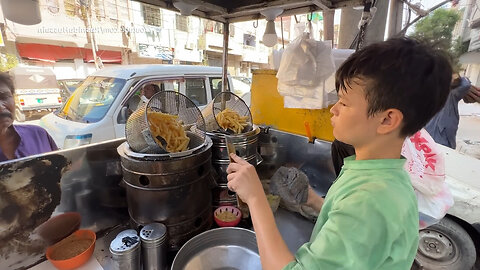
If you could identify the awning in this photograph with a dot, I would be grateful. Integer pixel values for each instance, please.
(106, 56)
(52, 53)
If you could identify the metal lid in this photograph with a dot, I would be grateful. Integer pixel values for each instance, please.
(153, 233)
(125, 242)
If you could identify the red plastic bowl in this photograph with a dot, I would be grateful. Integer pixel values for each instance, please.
(222, 223)
(77, 239)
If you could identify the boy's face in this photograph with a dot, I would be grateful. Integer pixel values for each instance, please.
(350, 120)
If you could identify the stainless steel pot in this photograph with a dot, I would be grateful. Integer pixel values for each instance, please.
(220, 167)
(175, 192)
(246, 145)
(221, 195)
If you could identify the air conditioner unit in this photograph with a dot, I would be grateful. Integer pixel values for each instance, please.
(190, 45)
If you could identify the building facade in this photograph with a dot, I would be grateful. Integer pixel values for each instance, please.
(75, 38)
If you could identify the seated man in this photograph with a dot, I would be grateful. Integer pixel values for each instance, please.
(148, 90)
(17, 141)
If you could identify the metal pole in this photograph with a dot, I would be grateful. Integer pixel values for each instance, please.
(226, 33)
(395, 17)
(348, 27)
(328, 27)
(376, 28)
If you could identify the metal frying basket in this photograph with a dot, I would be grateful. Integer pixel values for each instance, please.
(222, 101)
(139, 135)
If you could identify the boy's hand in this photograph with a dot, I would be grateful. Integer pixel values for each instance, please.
(243, 179)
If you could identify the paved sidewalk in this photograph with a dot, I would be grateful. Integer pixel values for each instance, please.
(468, 135)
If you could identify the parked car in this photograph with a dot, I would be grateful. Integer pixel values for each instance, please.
(454, 242)
(242, 89)
(243, 79)
(36, 91)
(99, 107)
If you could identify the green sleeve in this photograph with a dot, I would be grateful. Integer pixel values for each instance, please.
(353, 237)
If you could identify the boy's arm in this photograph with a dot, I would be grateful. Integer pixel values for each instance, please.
(314, 200)
(274, 253)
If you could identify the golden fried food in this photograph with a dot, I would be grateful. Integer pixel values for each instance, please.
(226, 216)
(230, 119)
(170, 129)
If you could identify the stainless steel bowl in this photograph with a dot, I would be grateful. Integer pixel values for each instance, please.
(219, 249)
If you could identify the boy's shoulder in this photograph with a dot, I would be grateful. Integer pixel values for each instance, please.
(384, 188)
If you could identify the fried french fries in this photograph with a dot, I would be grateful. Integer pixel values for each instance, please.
(170, 129)
(230, 119)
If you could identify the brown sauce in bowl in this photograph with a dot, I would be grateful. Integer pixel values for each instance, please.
(70, 247)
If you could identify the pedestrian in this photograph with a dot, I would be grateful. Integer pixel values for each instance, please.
(369, 217)
(444, 125)
(17, 141)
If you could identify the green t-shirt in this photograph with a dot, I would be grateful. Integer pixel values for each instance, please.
(369, 220)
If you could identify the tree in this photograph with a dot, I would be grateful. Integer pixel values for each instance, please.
(436, 29)
(7, 61)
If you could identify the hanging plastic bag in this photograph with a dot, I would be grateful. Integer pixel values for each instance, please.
(305, 64)
(426, 167)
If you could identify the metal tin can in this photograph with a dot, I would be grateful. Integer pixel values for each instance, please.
(154, 246)
(125, 250)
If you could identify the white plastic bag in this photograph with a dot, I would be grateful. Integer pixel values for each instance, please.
(305, 64)
(426, 167)
(325, 95)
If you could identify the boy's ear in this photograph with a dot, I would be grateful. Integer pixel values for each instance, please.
(391, 120)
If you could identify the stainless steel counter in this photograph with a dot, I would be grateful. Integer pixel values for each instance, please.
(294, 228)
(87, 180)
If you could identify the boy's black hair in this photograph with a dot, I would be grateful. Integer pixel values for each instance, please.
(6, 79)
(403, 74)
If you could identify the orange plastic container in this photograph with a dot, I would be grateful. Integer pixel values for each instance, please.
(81, 242)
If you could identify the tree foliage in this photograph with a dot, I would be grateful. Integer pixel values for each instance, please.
(437, 28)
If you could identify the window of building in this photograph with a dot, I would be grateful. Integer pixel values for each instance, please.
(216, 86)
(181, 23)
(209, 26)
(231, 29)
(195, 90)
(99, 9)
(70, 7)
(111, 9)
(152, 15)
(122, 9)
(218, 28)
(53, 6)
(249, 40)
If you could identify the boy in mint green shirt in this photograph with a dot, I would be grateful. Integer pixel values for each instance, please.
(369, 218)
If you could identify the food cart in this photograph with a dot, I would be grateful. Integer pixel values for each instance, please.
(88, 179)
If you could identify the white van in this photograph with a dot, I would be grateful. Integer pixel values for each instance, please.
(36, 91)
(99, 108)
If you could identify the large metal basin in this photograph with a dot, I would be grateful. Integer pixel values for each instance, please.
(223, 248)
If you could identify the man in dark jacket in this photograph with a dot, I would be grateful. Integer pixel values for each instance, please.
(444, 125)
